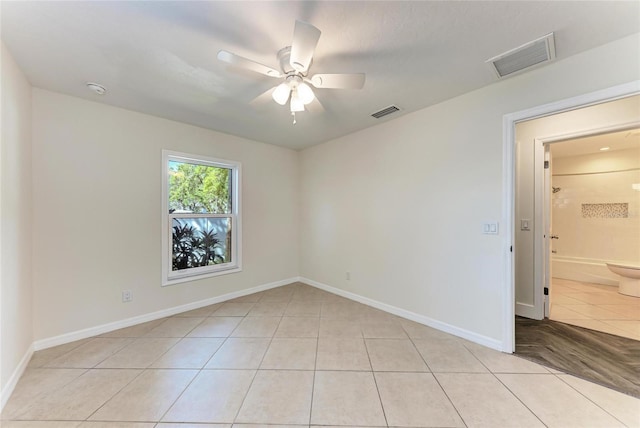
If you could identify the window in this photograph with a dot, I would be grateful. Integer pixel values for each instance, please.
(201, 221)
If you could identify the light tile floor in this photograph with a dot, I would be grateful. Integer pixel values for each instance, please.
(596, 307)
(298, 356)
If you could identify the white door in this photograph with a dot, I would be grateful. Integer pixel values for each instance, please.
(529, 284)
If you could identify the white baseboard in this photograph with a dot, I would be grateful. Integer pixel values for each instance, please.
(128, 322)
(439, 325)
(105, 328)
(15, 377)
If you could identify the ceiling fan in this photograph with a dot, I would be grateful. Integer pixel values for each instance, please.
(295, 61)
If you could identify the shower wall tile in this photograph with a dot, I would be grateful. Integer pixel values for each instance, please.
(596, 217)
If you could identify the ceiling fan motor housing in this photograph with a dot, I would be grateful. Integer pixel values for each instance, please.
(284, 57)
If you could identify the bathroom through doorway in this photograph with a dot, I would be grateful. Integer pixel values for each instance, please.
(533, 190)
(592, 218)
(532, 135)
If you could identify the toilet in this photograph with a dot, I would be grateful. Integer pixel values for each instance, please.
(630, 281)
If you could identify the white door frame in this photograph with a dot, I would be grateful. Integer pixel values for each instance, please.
(508, 184)
(546, 228)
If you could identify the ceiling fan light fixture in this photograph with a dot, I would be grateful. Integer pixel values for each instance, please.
(296, 102)
(281, 94)
(295, 60)
(305, 93)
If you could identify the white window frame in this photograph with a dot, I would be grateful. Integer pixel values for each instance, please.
(170, 277)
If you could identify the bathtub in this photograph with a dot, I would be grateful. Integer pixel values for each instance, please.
(584, 270)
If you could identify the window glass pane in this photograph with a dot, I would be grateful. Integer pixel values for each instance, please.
(198, 242)
(195, 188)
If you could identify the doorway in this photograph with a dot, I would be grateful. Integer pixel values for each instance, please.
(535, 141)
(539, 296)
(523, 245)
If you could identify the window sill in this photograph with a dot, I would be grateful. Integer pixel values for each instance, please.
(173, 281)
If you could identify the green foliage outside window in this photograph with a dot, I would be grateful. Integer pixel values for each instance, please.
(194, 248)
(198, 189)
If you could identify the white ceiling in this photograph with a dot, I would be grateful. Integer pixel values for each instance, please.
(160, 57)
(621, 140)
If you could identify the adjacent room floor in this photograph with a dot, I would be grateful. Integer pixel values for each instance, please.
(296, 355)
(593, 332)
(596, 307)
(609, 360)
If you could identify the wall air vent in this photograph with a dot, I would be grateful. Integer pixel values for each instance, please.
(385, 111)
(535, 53)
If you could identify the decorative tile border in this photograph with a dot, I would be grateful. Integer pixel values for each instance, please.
(618, 210)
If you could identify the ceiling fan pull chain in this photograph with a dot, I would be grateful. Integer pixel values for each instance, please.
(293, 113)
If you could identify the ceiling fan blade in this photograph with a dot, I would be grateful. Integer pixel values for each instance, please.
(315, 106)
(263, 98)
(247, 64)
(305, 40)
(338, 81)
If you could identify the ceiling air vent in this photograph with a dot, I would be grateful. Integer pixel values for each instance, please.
(385, 111)
(530, 54)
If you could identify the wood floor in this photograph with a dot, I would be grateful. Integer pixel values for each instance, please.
(603, 358)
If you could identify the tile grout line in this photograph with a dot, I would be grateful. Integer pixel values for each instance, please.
(417, 350)
(130, 341)
(516, 395)
(149, 368)
(589, 399)
(87, 340)
(449, 398)
(43, 393)
(315, 367)
(180, 339)
(375, 381)
(204, 366)
(210, 358)
(178, 397)
(116, 393)
(258, 369)
(173, 368)
(434, 376)
(499, 381)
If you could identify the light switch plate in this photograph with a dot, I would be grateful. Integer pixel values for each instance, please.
(490, 228)
(525, 224)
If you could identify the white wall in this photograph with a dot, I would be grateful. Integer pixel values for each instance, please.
(588, 119)
(612, 160)
(16, 331)
(97, 212)
(586, 244)
(401, 205)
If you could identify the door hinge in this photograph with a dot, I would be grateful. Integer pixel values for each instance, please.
(511, 248)
(546, 164)
(546, 291)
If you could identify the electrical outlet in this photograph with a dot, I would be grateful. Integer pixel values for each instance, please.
(127, 296)
(347, 276)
